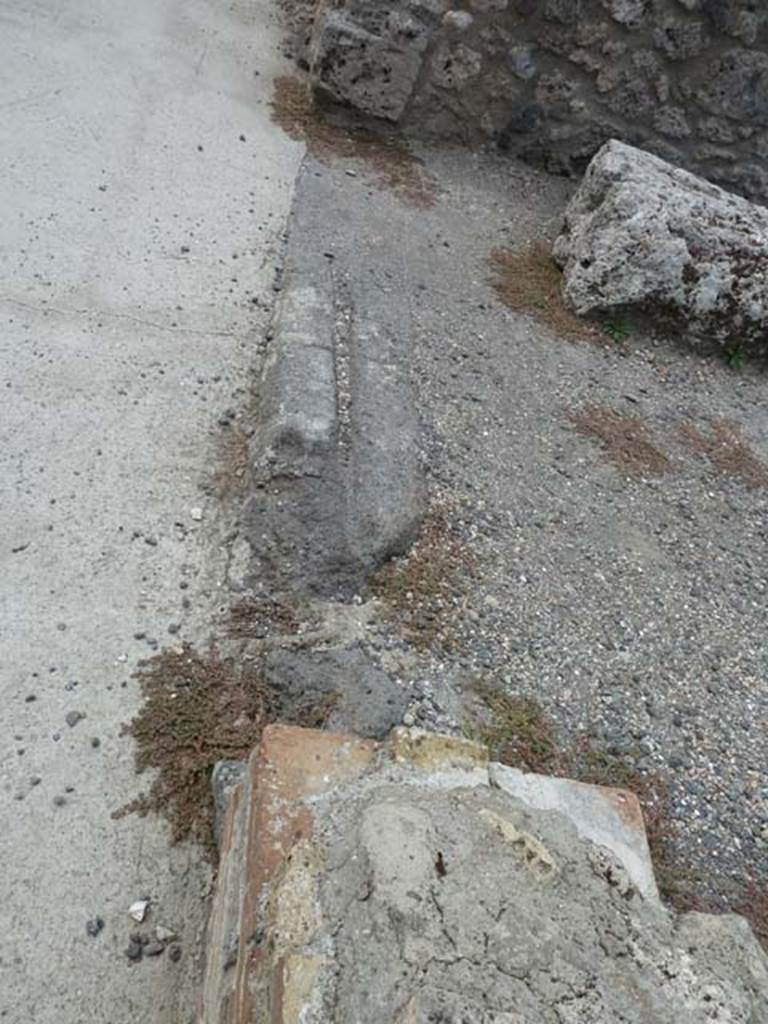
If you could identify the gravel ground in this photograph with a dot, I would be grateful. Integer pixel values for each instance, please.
(627, 597)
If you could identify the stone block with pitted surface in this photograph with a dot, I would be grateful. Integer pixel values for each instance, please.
(409, 881)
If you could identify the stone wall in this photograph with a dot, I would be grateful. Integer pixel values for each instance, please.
(552, 80)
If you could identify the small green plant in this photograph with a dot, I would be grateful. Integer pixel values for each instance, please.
(736, 357)
(617, 330)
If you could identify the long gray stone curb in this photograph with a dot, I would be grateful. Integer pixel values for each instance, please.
(298, 378)
(338, 483)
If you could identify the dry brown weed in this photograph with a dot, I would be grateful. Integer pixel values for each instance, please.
(198, 709)
(529, 281)
(389, 160)
(626, 441)
(727, 450)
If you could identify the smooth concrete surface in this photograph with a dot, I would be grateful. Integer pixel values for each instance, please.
(143, 191)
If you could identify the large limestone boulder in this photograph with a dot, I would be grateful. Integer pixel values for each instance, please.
(642, 236)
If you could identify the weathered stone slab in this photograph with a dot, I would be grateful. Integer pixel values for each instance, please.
(610, 818)
(643, 236)
(298, 406)
(380, 884)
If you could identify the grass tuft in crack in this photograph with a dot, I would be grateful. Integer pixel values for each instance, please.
(516, 732)
(198, 709)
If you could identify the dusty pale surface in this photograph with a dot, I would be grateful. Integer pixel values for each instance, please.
(144, 189)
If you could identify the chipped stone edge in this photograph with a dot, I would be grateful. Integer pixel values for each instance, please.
(267, 878)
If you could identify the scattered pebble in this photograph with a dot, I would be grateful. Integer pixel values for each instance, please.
(154, 948)
(196, 514)
(174, 952)
(73, 717)
(164, 934)
(35, 780)
(134, 951)
(94, 926)
(138, 910)
(95, 742)
(59, 801)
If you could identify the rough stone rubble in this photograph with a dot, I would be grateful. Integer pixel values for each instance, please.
(641, 236)
(552, 82)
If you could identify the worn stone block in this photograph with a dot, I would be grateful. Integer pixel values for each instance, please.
(680, 40)
(374, 71)
(630, 13)
(453, 66)
(643, 236)
(337, 485)
(672, 122)
(380, 890)
(736, 86)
